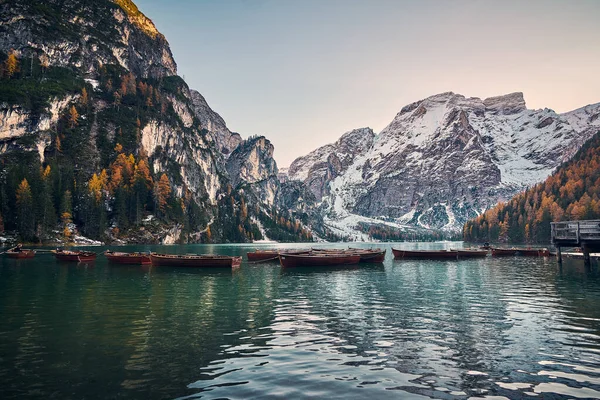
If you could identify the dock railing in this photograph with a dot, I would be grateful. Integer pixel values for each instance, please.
(575, 231)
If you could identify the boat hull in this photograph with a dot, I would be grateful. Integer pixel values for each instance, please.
(75, 256)
(425, 254)
(322, 260)
(472, 253)
(128, 258)
(504, 252)
(366, 255)
(20, 254)
(255, 256)
(372, 257)
(196, 261)
(271, 255)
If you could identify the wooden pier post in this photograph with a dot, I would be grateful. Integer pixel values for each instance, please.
(558, 255)
(586, 256)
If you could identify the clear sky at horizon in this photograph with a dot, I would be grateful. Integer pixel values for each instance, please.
(304, 72)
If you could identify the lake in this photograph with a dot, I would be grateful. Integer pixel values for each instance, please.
(512, 327)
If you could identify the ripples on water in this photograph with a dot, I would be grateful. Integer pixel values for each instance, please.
(512, 327)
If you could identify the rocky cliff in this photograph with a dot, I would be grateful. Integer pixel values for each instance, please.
(96, 99)
(326, 163)
(443, 160)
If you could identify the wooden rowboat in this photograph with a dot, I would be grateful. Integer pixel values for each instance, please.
(471, 253)
(20, 253)
(74, 256)
(366, 255)
(128, 258)
(317, 260)
(370, 255)
(426, 254)
(195, 260)
(500, 252)
(268, 255)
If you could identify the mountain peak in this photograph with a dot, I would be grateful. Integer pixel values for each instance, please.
(511, 103)
(138, 18)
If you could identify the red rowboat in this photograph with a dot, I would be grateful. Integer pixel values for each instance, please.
(426, 254)
(74, 256)
(366, 255)
(128, 258)
(268, 255)
(20, 253)
(263, 255)
(370, 255)
(471, 253)
(317, 260)
(498, 252)
(195, 260)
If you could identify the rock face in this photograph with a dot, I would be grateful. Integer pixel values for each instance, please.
(326, 163)
(226, 141)
(86, 35)
(445, 159)
(116, 53)
(252, 169)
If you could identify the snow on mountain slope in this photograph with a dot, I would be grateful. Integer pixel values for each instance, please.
(445, 159)
(322, 165)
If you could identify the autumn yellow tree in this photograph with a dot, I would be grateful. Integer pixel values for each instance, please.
(96, 186)
(44, 62)
(46, 172)
(11, 65)
(73, 117)
(142, 172)
(84, 97)
(162, 191)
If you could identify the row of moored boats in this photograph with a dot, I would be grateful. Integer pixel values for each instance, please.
(136, 258)
(323, 257)
(287, 258)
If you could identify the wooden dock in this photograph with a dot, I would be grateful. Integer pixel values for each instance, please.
(584, 234)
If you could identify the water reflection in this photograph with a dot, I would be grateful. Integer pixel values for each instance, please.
(511, 327)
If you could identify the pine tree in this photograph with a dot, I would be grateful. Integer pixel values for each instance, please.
(25, 216)
(48, 212)
(66, 212)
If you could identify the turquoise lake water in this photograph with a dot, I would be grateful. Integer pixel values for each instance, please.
(520, 328)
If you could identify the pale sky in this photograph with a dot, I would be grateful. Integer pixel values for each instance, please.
(304, 72)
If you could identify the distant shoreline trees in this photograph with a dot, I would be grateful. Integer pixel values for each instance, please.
(572, 192)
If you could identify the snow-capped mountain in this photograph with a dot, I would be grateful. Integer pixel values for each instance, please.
(321, 166)
(442, 160)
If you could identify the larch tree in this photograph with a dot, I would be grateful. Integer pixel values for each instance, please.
(162, 191)
(84, 97)
(11, 65)
(44, 62)
(73, 117)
